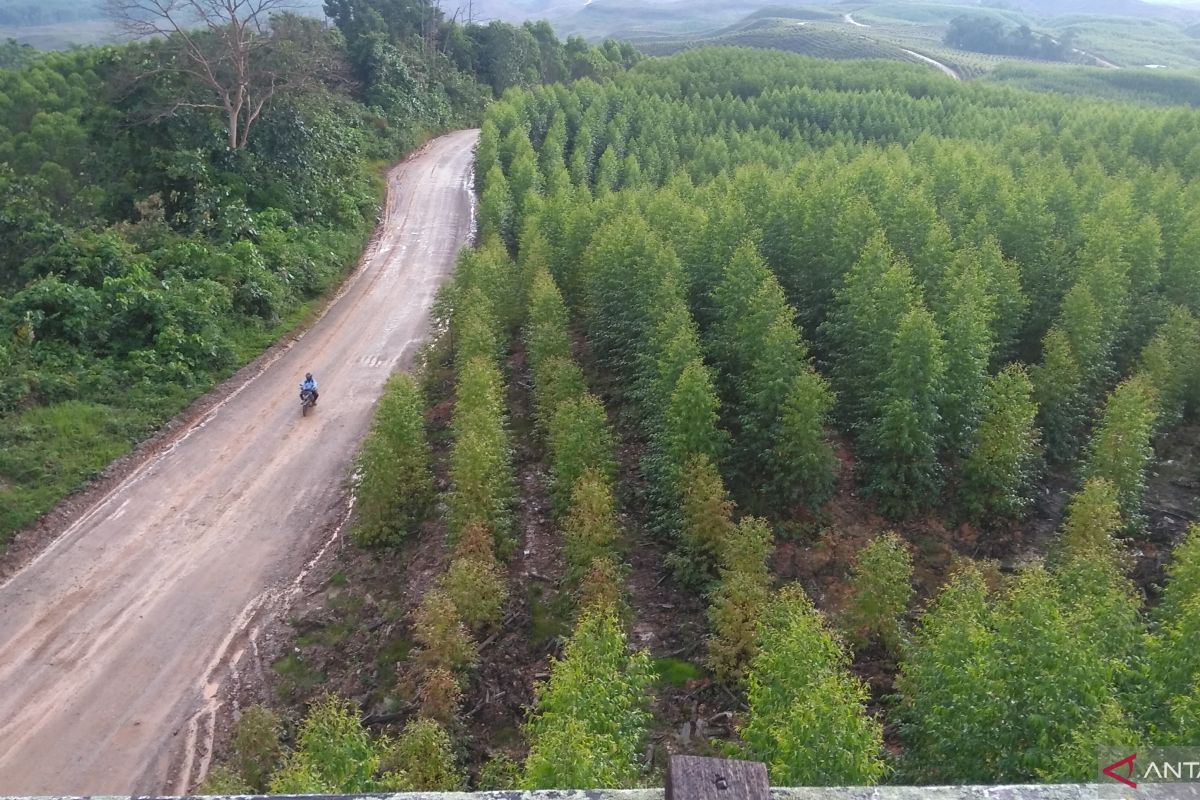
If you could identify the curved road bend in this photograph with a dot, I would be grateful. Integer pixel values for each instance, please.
(112, 641)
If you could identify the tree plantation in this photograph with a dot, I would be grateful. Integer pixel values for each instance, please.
(833, 415)
(749, 387)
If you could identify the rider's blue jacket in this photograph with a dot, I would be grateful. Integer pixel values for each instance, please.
(308, 385)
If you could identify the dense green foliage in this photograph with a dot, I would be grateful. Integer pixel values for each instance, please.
(739, 599)
(395, 487)
(807, 718)
(1174, 679)
(1120, 449)
(333, 753)
(14, 54)
(1056, 641)
(881, 586)
(591, 714)
(422, 759)
(998, 473)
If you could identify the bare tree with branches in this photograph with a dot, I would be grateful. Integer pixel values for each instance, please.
(229, 49)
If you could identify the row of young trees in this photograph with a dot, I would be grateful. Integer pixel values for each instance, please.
(633, 304)
(394, 494)
(470, 596)
(592, 715)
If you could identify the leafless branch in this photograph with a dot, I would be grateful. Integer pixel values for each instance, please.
(224, 46)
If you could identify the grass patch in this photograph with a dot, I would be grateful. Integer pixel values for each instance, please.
(296, 677)
(327, 635)
(387, 661)
(48, 452)
(675, 672)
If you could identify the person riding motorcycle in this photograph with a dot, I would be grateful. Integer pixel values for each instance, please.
(309, 385)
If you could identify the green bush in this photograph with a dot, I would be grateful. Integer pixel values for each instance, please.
(546, 333)
(421, 759)
(257, 751)
(1168, 701)
(579, 441)
(738, 602)
(706, 523)
(1120, 449)
(223, 781)
(441, 635)
(591, 716)
(480, 461)
(590, 530)
(556, 380)
(881, 587)
(499, 773)
(477, 589)
(1171, 367)
(396, 486)
(998, 472)
(1035, 647)
(603, 588)
(808, 720)
(1089, 567)
(1058, 392)
(440, 696)
(334, 754)
(1183, 576)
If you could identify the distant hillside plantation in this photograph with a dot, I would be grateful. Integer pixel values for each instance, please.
(1121, 8)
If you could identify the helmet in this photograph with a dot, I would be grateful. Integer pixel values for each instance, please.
(308, 376)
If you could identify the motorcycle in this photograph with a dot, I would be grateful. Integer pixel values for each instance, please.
(308, 399)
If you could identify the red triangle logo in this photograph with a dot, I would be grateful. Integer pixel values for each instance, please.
(1127, 778)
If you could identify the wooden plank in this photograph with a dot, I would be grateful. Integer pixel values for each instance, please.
(696, 778)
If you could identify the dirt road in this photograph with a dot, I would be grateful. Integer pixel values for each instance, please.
(115, 641)
(934, 63)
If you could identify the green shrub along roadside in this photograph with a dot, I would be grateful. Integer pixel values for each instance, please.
(395, 487)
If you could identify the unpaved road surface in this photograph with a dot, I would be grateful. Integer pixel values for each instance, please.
(934, 63)
(115, 640)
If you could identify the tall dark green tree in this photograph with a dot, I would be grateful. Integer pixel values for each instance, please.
(901, 445)
(1120, 449)
(878, 293)
(997, 474)
(1058, 392)
(966, 314)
